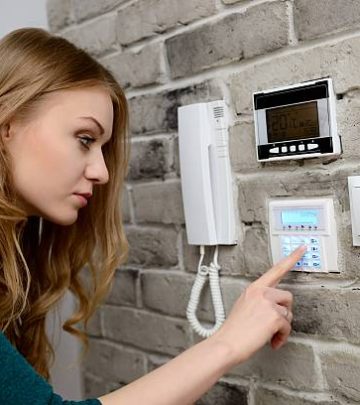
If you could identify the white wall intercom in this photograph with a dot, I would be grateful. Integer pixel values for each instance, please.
(311, 222)
(207, 196)
(206, 174)
(296, 122)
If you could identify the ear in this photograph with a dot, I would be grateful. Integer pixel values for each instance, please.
(5, 137)
(5, 132)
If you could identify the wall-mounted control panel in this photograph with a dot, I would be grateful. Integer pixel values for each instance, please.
(296, 122)
(311, 222)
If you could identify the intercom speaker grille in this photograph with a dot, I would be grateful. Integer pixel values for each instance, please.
(218, 112)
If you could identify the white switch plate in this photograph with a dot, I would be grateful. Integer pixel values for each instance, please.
(354, 197)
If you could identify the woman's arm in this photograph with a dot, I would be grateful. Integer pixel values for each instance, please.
(261, 314)
(180, 381)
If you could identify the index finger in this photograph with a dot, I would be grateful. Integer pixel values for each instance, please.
(273, 276)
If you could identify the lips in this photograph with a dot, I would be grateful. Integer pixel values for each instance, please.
(82, 198)
(85, 195)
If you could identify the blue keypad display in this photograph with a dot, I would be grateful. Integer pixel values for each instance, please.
(312, 257)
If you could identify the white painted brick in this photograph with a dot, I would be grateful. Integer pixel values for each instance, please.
(224, 393)
(84, 9)
(166, 293)
(242, 148)
(94, 387)
(96, 37)
(137, 69)
(283, 366)
(113, 363)
(228, 40)
(323, 17)
(327, 313)
(125, 205)
(123, 291)
(158, 202)
(232, 1)
(341, 370)
(152, 247)
(59, 14)
(146, 331)
(265, 396)
(136, 22)
(150, 159)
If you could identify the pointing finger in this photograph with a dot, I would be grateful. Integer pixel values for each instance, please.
(273, 276)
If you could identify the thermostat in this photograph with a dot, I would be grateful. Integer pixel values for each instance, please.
(296, 122)
(310, 222)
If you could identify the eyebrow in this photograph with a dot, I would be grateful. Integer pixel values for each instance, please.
(97, 123)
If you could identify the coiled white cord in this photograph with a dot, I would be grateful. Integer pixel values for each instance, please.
(203, 272)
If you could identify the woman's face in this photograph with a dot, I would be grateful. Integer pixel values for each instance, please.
(56, 153)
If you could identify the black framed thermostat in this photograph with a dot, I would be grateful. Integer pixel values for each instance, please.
(296, 121)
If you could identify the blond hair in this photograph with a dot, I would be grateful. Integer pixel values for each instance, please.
(40, 260)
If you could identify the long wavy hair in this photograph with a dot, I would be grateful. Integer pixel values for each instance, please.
(41, 260)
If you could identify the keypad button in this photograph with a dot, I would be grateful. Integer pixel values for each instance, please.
(286, 239)
(284, 149)
(301, 147)
(274, 150)
(314, 248)
(292, 148)
(286, 252)
(305, 241)
(306, 263)
(296, 240)
(315, 256)
(312, 146)
(314, 241)
(316, 264)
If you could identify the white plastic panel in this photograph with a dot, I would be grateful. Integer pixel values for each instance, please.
(354, 197)
(310, 222)
(206, 174)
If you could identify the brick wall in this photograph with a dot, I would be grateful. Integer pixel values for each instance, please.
(168, 53)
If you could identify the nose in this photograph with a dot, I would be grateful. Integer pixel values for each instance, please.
(96, 169)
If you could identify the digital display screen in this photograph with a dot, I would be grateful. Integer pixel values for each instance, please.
(293, 122)
(299, 217)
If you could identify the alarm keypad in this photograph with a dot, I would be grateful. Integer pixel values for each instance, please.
(312, 257)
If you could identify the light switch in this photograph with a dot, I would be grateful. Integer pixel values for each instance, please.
(354, 197)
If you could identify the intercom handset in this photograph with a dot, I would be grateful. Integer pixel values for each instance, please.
(206, 174)
(310, 222)
(207, 195)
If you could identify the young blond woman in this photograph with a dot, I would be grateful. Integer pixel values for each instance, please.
(63, 157)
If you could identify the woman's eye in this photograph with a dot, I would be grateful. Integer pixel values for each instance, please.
(86, 141)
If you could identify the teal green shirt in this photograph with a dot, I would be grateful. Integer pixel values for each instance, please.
(20, 384)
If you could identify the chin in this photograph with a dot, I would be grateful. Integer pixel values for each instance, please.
(62, 220)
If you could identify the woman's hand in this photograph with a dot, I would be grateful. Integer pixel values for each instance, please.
(262, 313)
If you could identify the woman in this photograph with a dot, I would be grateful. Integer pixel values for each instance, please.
(64, 154)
